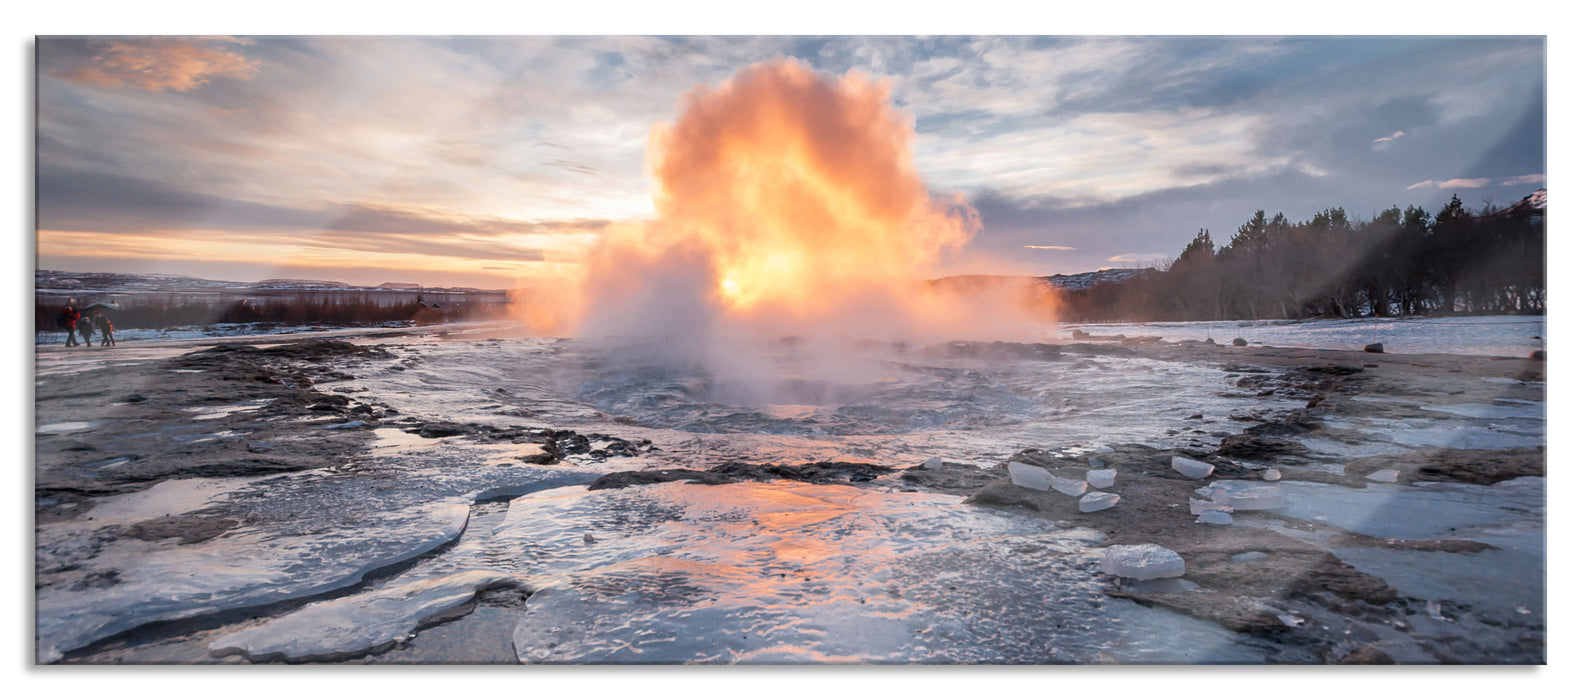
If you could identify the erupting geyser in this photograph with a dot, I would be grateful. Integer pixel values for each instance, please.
(787, 203)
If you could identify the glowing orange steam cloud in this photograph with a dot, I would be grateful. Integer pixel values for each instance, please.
(787, 202)
(802, 187)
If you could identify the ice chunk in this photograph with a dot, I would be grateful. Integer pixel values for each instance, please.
(1271, 475)
(1215, 517)
(1071, 486)
(1200, 507)
(1248, 557)
(1385, 476)
(1103, 449)
(1101, 478)
(1028, 476)
(933, 463)
(358, 623)
(1257, 498)
(1096, 501)
(1191, 467)
(1142, 562)
(1290, 620)
(1095, 462)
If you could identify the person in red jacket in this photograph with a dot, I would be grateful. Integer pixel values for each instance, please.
(69, 317)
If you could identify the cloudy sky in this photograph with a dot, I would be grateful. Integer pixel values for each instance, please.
(478, 161)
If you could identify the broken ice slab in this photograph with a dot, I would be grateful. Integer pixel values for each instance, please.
(933, 463)
(1096, 501)
(1142, 562)
(1101, 478)
(1103, 449)
(1385, 476)
(1290, 620)
(1071, 485)
(1239, 495)
(1271, 475)
(358, 624)
(1095, 462)
(1200, 507)
(1191, 467)
(1257, 498)
(1215, 517)
(1028, 476)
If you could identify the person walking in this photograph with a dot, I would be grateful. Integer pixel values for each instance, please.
(69, 317)
(85, 327)
(106, 329)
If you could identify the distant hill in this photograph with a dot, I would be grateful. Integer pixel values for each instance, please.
(55, 280)
(1082, 280)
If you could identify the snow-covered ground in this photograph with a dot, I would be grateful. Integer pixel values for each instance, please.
(1513, 336)
(748, 572)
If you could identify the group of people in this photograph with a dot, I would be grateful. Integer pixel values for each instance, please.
(77, 324)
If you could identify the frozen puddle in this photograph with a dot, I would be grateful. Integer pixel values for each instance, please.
(1426, 510)
(66, 427)
(1508, 515)
(211, 413)
(785, 572)
(172, 497)
(241, 569)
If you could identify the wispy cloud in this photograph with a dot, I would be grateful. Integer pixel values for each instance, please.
(1533, 179)
(1391, 137)
(1049, 247)
(1137, 257)
(180, 65)
(1467, 183)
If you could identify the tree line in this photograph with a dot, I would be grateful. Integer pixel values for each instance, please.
(1398, 263)
(303, 311)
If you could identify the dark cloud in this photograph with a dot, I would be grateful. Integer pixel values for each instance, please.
(73, 200)
(1166, 220)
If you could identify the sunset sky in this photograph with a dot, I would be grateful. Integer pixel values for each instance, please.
(480, 162)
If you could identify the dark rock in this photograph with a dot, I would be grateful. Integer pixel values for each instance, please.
(1369, 655)
(439, 429)
(1336, 370)
(620, 480)
(1258, 447)
(1373, 347)
(1239, 342)
(1538, 355)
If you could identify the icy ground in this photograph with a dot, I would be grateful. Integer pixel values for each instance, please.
(426, 549)
(1512, 336)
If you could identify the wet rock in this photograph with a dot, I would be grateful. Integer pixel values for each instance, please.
(621, 480)
(1481, 467)
(1373, 347)
(1538, 355)
(439, 429)
(1239, 342)
(1335, 370)
(1260, 447)
(1368, 655)
(949, 477)
(188, 528)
